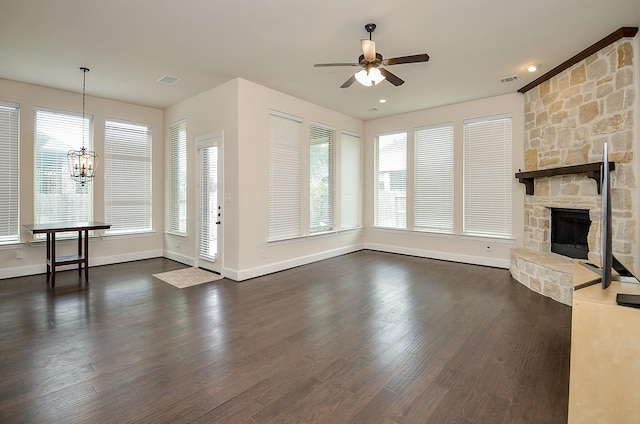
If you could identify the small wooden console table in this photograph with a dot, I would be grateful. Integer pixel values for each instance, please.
(604, 385)
(82, 258)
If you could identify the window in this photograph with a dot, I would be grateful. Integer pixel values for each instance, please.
(487, 176)
(127, 168)
(433, 204)
(58, 197)
(9, 173)
(178, 182)
(391, 181)
(350, 181)
(285, 204)
(321, 178)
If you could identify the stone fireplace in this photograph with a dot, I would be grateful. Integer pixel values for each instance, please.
(568, 118)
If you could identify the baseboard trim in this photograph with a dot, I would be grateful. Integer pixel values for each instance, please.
(291, 263)
(445, 256)
(178, 258)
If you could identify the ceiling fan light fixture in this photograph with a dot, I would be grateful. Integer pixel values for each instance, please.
(371, 77)
(370, 61)
(368, 49)
(363, 78)
(375, 75)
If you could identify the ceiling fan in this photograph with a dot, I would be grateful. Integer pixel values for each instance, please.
(370, 61)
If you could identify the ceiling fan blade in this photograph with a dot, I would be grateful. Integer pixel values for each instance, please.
(322, 65)
(369, 49)
(406, 59)
(393, 79)
(348, 82)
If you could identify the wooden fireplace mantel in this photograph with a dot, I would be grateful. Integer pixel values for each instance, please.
(591, 169)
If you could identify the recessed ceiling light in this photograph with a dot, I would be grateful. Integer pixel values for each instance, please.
(531, 68)
(383, 100)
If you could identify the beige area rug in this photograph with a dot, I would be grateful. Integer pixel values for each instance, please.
(187, 277)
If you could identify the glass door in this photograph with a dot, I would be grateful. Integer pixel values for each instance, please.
(209, 205)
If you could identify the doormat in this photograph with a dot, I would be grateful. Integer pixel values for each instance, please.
(187, 277)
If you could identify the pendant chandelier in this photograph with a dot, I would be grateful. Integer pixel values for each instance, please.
(82, 163)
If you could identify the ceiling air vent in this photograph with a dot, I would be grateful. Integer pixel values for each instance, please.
(509, 79)
(169, 80)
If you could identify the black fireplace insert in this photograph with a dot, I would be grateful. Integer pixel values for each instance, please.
(569, 230)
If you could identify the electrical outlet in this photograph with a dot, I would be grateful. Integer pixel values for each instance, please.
(487, 247)
(177, 244)
(263, 254)
(19, 254)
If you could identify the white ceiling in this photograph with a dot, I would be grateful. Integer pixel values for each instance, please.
(129, 44)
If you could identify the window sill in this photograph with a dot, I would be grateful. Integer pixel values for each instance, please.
(478, 237)
(12, 245)
(179, 235)
(434, 233)
(391, 230)
(133, 234)
(322, 234)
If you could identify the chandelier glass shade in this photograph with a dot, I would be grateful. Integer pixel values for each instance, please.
(82, 163)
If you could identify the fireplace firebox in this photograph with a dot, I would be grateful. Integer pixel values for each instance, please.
(569, 231)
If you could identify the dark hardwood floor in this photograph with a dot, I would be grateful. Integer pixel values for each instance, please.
(367, 337)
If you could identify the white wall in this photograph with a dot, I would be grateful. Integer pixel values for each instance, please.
(449, 247)
(240, 109)
(256, 256)
(213, 111)
(103, 250)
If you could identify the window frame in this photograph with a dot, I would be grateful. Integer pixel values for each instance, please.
(321, 136)
(66, 131)
(178, 184)
(127, 153)
(395, 178)
(285, 177)
(9, 173)
(488, 177)
(350, 181)
(434, 179)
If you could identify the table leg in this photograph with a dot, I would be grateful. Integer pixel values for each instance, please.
(86, 256)
(53, 259)
(48, 257)
(80, 253)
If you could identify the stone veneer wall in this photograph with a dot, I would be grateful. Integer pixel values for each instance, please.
(568, 118)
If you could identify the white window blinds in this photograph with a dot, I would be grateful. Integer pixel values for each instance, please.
(9, 173)
(321, 178)
(285, 196)
(433, 195)
(487, 176)
(350, 181)
(178, 182)
(58, 197)
(127, 168)
(391, 181)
